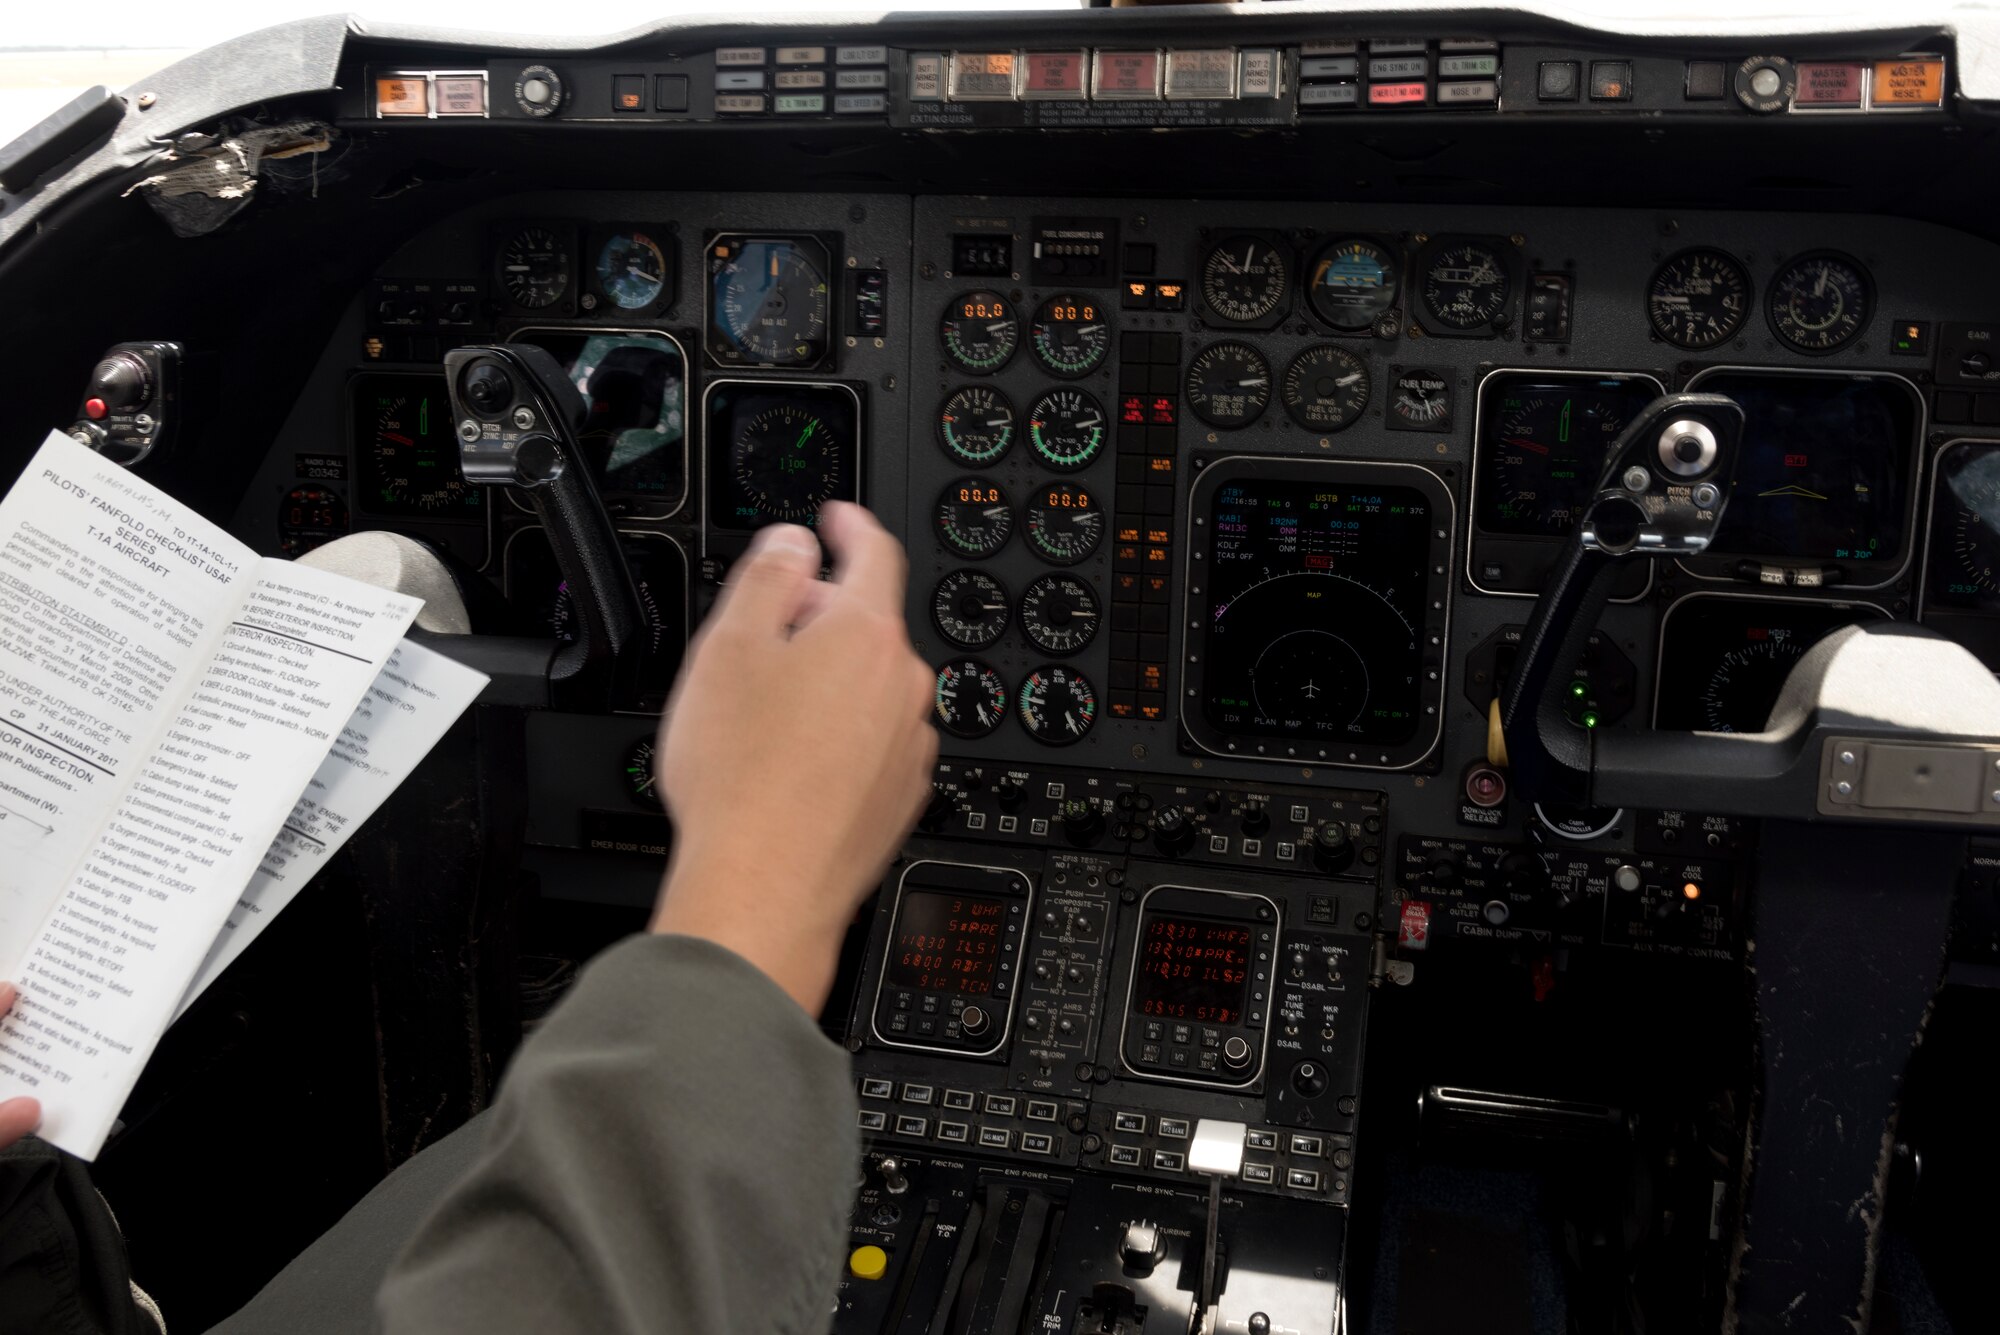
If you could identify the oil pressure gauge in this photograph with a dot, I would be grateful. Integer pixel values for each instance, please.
(971, 699)
(1058, 705)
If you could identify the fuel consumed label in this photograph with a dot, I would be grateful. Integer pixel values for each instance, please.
(1192, 969)
(948, 943)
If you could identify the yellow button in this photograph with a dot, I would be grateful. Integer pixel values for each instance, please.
(868, 1263)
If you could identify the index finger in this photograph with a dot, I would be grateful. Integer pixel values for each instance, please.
(867, 562)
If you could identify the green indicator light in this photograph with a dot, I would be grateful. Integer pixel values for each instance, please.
(1577, 690)
(1590, 718)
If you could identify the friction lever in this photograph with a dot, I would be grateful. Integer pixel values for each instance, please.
(516, 415)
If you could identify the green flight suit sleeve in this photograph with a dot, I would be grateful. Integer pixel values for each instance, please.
(674, 1150)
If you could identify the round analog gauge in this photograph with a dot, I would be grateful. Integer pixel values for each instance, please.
(631, 270)
(1071, 335)
(970, 608)
(416, 458)
(787, 462)
(1698, 299)
(1326, 388)
(1058, 705)
(1059, 614)
(980, 331)
(1465, 286)
(1748, 680)
(1548, 454)
(640, 784)
(971, 698)
(976, 425)
(973, 518)
(1820, 302)
(1229, 384)
(1351, 282)
(534, 268)
(1974, 537)
(771, 302)
(1066, 427)
(562, 611)
(1064, 523)
(1422, 400)
(1244, 279)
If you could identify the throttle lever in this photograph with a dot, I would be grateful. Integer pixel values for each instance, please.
(1665, 485)
(517, 415)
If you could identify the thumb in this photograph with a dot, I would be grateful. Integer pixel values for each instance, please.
(769, 588)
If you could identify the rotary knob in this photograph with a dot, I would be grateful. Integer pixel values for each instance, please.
(1143, 1246)
(1333, 848)
(119, 381)
(1256, 818)
(1082, 821)
(973, 1021)
(1236, 1052)
(1173, 832)
(539, 91)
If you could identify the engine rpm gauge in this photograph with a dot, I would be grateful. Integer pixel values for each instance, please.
(1071, 334)
(1326, 388)
(1228, 384)
(1059, 614)
(1066, 427)
(1058, 705)
(1064, 523)
(787, 460)
(973, 518)
(980, 331)
(971, 699)
(534, 267)
(631, 270)
(1350, 282)
(1466, 286)
(1244, 279)
(769, 302)
(1820, 302)
(970, 608)
(1698, 299)
(976, 425)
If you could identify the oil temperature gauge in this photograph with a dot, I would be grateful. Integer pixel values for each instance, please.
(1071, 335)
(976, 425)
(1066, 427)
(1064, 523)
(970, 608)
(971, 698)
(1059, 614)
(1058, 705)
(973, 518)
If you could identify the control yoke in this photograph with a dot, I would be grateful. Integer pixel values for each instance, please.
(1884, 722)
(517, 415)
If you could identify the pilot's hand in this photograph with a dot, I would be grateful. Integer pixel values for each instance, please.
(796, 753)
(18, 1117)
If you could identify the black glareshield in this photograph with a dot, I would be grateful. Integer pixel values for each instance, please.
(516, 416)
(1664, 487)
